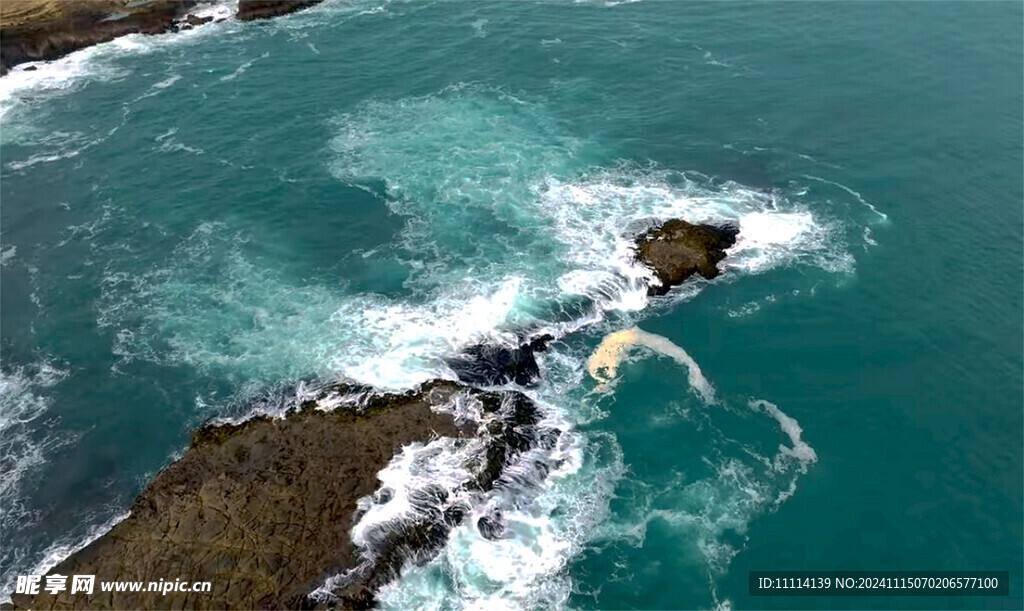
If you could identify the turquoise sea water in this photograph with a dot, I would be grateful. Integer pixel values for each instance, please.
(190, 221)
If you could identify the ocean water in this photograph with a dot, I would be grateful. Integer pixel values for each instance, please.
(193, 221)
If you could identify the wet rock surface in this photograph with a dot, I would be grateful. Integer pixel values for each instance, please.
(497, 364)
(263, 509)
(249, 10)
(677, 250)
(509, 427)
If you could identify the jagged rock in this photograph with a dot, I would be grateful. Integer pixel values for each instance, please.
(511, 431)
(263, 509)
(44, 31)
(510, 424)
(497, 364)
(261, 9)
(677, 250)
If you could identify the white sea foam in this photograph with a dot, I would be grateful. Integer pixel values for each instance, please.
(282, 330)
(55, 146)
(417, 467)
(546, 523)
(547, 501)
(62, 549)
(24, 81)
(59, 145)
(593, 216)
(270, 329)
(869, 239)
(615, 348)
(167, 82)
(221, 10)
(7, 255)
(858, 196)
(240, 70)
(713, 511)
(26, 440)
(480, 28)
(22, 403)
(474, 157)
(400, 345)
(802, 452)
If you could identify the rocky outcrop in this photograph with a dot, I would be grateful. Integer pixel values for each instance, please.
(249, 10)
(497, 364)
(677, 250)
(33, 30)
(509, 426)
(511, 421)
(263, 509)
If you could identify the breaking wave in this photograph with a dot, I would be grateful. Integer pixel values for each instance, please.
(550, 250)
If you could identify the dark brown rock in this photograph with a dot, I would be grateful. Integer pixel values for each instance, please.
(261, 9)
(677, 250)
(263, 509)
(55, 29)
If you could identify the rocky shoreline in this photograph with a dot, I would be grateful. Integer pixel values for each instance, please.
(264, 509)
(34, 30)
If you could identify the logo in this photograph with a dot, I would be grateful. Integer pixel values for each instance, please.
(55, 584)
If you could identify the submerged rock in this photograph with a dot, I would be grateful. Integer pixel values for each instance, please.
(497, 364)
(491, 526)
(263, 509)
(677, 250)
(261, 9)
